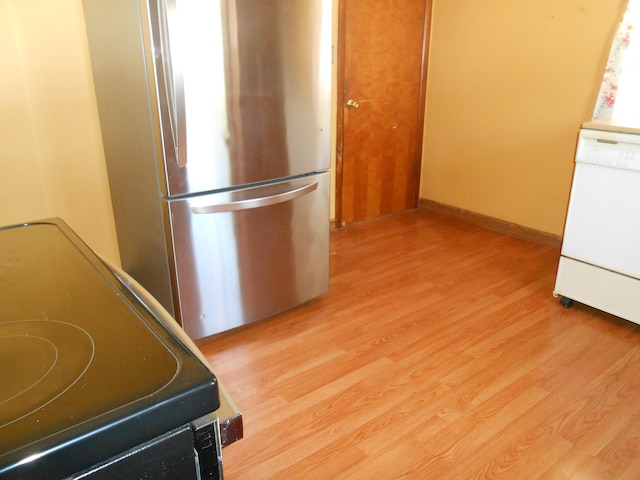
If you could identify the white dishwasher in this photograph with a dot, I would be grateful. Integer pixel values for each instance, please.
(600, 259)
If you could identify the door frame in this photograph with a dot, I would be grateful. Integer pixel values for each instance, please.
(340, 101)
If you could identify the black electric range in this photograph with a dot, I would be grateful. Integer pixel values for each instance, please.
(91, 384)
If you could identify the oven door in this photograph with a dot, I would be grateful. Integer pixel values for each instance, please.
(191, 452)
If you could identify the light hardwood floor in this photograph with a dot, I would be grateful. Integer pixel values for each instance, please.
(439, 352)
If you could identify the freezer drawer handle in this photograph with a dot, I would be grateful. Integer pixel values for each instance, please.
(256, 202)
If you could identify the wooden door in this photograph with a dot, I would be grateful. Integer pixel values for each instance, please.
(381, 87)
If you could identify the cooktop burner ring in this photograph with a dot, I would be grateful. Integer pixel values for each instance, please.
(44, 343)
(57, 356)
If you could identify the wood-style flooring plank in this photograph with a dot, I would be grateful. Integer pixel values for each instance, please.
(439, 352)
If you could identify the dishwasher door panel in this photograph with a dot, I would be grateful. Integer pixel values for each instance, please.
(602, 225)
(246, 254)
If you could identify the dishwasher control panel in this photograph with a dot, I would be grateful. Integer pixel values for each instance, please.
(609, 149)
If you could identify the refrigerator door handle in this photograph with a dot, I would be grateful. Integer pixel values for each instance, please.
(165, 25)
(256, 202)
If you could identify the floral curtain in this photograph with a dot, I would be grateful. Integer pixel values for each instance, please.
(619, 94)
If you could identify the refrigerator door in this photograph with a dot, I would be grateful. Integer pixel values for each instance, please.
(244, 90)
(246, 254)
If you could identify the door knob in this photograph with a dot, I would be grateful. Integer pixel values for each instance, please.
(352, 104)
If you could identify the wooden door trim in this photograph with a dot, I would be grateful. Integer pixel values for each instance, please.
(340, 99)
(424, 70)
(340, 114)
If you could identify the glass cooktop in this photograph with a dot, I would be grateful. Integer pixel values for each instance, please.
(83, 365)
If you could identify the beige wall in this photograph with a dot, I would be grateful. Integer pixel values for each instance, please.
(509, 84)
(51, 157)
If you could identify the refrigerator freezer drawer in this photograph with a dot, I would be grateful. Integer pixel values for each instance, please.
(246, 254)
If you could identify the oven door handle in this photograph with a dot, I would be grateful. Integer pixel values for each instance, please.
(256, 202)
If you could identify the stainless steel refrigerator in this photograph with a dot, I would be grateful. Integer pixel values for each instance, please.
(216, 123)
